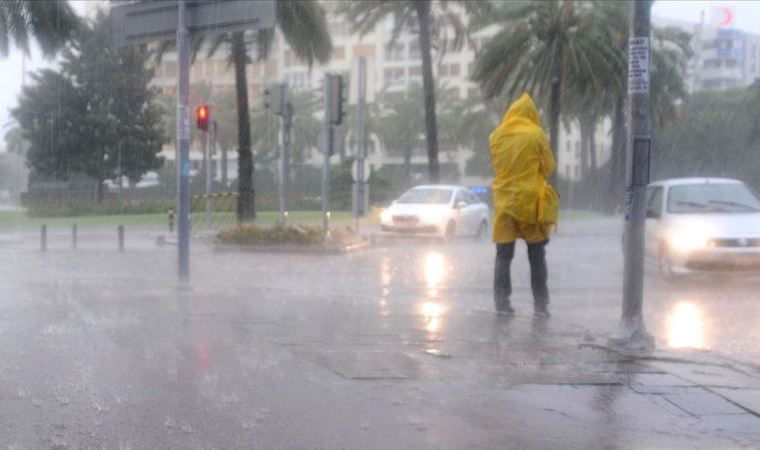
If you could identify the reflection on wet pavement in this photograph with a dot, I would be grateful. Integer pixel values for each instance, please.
(434, 272)
(686, 326)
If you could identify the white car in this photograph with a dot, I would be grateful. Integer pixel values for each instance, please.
(702, 224)
(437, 210)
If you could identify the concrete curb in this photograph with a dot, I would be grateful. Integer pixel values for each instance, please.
(292, 249)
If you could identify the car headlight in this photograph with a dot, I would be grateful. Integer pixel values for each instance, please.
(688, 238)
(386, 216)
(434, 217)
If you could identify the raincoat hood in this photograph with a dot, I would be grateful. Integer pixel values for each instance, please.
(524, 111)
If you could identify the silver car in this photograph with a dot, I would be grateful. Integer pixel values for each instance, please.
(702, 224)
(437, 210)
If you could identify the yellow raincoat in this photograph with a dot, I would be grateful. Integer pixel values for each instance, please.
(525, 204)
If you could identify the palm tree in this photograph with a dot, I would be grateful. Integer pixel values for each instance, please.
(49, 23)
(670, 52)
(400, 129)
(303, 24)
(423, 17)
(543, 47)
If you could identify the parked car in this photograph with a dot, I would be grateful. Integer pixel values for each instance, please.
(444, 211)
(702, 224)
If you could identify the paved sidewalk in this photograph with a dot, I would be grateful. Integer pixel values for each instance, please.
(99, 350)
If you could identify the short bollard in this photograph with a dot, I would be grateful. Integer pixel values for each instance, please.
(171, 220)
(121, 238)
(74, 236)
(43, 238)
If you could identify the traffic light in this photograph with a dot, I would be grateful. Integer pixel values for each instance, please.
(203, 117)
(336, 99)
(275, 97)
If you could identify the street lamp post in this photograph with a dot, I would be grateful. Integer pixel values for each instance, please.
(631, 334)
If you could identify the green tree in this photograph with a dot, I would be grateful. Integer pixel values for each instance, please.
(303, 23)
(15, 142)
(670, 53)
(49, 23)
(96, 116)
(400, 129)
(422, 17)
(468, 123)
(713, 137)
(542, 48)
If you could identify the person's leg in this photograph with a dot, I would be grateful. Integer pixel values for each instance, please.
(538, 275)
(502, 282)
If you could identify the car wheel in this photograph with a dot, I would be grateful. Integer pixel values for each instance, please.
(482, 230)
(448, 234)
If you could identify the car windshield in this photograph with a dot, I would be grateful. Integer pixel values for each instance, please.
(427, 196)
(712, 198)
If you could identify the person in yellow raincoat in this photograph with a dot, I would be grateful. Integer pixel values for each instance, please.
(525, 204)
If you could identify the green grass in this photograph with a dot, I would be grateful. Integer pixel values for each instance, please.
(22, 220)
(576, 214)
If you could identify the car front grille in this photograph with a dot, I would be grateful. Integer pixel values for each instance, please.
(736, 242)
(406, 220)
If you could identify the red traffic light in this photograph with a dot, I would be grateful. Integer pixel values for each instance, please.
(202, 115)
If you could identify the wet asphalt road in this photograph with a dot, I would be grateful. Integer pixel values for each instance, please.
(100, 349)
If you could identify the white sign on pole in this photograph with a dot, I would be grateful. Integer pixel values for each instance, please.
(638, 65)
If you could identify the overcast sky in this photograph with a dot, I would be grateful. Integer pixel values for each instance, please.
(746, 15)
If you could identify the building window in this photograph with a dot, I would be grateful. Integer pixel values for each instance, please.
(577, 172)
(394, 76)
(394, 52)
(339, 53)
(443, 70)
(452, 94)
(470, 69)
(473, 92)
(454, 70)
(170, 68)
(569, 146)
(298, 80)
(415, 71)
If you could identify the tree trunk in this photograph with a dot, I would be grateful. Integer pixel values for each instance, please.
(428, 85)
(100, 191)
(592, 144)
(246, 210)
(408, 168)
(584, 147)
(554, 104)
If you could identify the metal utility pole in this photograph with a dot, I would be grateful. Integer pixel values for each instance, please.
(360, 185)
(631, 333)
(183, 142)
(140, 22)
(287, 131)
(224, 163)
(209, 174)
(328, 153)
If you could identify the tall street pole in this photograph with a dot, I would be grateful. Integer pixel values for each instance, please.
(328, 153)
(183, 141)
(209, 180)
(631, 334)
(359, 186)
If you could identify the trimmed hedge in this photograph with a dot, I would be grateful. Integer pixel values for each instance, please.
(250, 234)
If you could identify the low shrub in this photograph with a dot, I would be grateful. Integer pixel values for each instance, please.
(250, 234)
